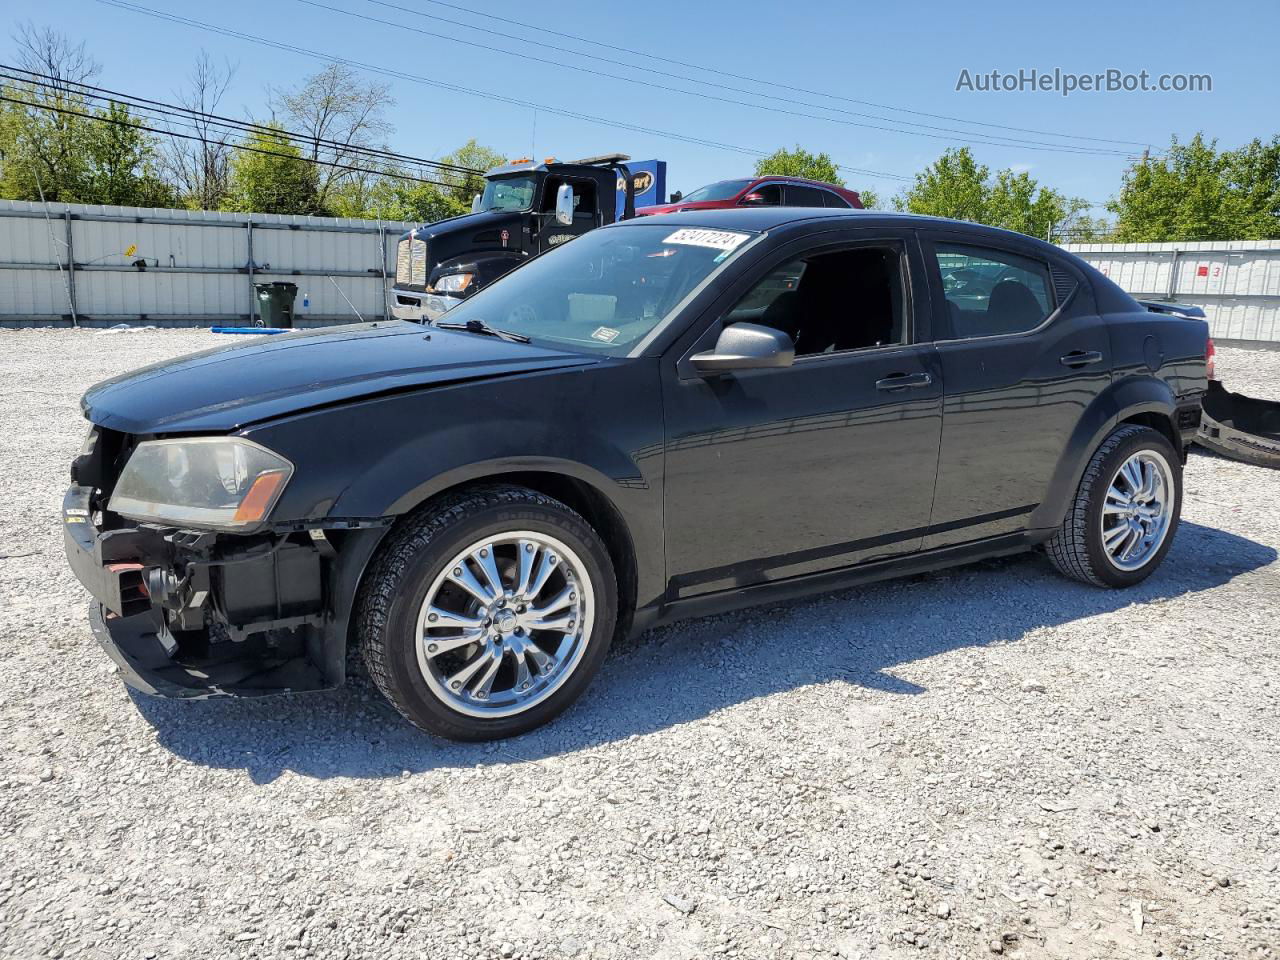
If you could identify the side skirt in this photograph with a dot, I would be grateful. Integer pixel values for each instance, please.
(795, 587)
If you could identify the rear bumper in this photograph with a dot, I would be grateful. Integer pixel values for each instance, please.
(1239, 427)
(420, 307)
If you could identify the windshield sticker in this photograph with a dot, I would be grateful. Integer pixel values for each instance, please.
(715, 239)
(605, 334)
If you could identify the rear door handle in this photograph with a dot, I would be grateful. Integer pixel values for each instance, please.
(1080, 358)
(900, 381)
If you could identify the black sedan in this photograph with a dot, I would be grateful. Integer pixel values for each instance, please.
(666, 417)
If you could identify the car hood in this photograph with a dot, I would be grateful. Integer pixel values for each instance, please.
(226, 388)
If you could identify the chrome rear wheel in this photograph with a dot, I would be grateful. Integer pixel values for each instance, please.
(1138, 510)
(1123, 518)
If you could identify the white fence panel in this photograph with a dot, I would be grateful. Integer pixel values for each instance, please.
(179, 266)
(1236, 283)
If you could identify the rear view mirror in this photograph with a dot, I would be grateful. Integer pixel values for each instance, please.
(564, 204)
(475, 203)
(746, 346)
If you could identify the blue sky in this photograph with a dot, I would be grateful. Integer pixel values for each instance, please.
(901, 55)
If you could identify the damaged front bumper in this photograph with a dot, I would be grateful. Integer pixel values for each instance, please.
(195, 615)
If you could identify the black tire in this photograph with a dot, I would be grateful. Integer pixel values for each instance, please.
(1076, 550)
(395, 589)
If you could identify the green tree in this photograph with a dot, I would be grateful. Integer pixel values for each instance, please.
(392, 196)
(1017, 202)
(958, 187)
(79, 156)
(870, 199)
(54, 143)
(475, 157)
(799, 163)
(1253, 174)
(953, 186)
(41, 137)
(270, 175)
(121, 165)
(337, 116)
(1196, 192)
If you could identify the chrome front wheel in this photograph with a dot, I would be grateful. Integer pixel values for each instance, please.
(505, 623)
(1138, 510)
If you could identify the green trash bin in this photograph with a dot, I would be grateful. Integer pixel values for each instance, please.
(275, 304)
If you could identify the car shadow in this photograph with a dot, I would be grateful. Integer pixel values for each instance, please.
(690, 670)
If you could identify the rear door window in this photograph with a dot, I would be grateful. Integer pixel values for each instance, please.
(992, 292)
(800, 196)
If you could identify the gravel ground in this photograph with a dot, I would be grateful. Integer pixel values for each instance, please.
(990, 760)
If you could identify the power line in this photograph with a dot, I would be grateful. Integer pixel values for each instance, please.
(241, 126)
(457, 88)
(993, 140)
(234, 146)
(713, 70)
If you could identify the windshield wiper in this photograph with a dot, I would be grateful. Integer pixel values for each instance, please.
(479, 326)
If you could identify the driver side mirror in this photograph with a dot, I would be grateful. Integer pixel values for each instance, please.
(564, 204)
(475, 203)
(752, 200)
(746, 346)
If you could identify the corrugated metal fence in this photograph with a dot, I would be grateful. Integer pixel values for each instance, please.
(103, 265)
(1236, 283)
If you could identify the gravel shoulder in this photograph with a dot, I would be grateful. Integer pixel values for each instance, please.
(989, 760)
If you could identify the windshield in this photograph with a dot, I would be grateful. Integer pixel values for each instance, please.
(605, 290)
(508, 193)
(716, 191)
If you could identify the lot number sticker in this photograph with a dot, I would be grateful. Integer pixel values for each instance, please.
(715, 239)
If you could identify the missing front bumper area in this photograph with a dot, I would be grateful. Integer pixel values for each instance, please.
(148, 665)
(185, 615)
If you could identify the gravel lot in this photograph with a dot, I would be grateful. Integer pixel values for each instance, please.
(989, 760)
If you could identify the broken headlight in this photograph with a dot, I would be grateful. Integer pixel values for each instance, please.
(220, 483)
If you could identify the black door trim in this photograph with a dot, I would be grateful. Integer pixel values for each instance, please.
(758, 571)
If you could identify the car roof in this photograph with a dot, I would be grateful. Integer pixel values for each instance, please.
(804, 180)
(770, 178)
(759, 219)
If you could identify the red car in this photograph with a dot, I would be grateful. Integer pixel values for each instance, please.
(760, 192)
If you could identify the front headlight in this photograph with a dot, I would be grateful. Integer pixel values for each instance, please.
(222, 483)
(454, 283)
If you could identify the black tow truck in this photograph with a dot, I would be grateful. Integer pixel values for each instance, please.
(526, 209)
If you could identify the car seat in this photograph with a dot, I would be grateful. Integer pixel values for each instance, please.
(1012, 308)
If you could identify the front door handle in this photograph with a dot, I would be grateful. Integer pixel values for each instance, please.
(900, 381)
(1080, 358)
